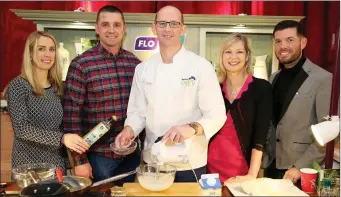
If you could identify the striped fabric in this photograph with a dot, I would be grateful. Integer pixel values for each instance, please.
(97, 86)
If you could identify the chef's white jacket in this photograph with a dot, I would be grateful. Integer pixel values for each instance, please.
(165, 95)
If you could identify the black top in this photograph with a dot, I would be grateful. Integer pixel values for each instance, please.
(281, 87)
(251, 114)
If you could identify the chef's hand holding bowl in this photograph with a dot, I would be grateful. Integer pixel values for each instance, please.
(124, 144)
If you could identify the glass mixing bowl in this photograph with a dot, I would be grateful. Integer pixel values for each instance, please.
(43, 170)
(153, 177)
(124, 151)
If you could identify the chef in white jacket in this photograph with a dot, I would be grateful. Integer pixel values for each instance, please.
(175, 94)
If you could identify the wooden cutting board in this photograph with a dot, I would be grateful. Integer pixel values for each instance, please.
(177, 189)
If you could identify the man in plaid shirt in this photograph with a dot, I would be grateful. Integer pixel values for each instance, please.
(98, 86)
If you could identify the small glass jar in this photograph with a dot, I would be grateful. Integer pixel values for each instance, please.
(118, 191)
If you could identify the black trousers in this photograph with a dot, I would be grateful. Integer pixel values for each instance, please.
(188, 175)
(272, 172)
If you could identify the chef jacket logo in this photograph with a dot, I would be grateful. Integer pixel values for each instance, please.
(145, 43)
(188, 82)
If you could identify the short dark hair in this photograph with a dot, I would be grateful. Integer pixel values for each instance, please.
(289, 24)
(112, 9)
(182, 17)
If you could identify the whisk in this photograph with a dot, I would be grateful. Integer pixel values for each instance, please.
(114, 178)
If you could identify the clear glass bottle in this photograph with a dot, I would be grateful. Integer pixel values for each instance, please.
(99, 130)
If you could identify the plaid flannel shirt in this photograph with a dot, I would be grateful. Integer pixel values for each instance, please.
(98, 86)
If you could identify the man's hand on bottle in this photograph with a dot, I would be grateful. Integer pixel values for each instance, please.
(84, 170)
(125, 138)
(75, 143)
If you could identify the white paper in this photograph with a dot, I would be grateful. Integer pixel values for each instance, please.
(263, 188)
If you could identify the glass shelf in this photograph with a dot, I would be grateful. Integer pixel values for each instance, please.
(71, 36)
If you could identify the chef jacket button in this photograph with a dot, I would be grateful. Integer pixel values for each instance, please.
(278, 140)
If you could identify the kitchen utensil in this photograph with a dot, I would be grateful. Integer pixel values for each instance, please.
(43, 188)
(114, 178)
(162, 153)
(43, 170)
(78, 185)
(34, 176)
(155, 177)
(61, 178)
(124, 151)
(82, 186)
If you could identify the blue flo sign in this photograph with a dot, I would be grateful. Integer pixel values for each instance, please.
(145, 43)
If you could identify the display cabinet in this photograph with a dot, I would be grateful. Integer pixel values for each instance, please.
(204, 33)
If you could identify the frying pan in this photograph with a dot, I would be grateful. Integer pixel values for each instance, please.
(78, 185)
(75, 185)
(40, 189)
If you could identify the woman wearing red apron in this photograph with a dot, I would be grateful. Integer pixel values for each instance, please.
(235, 152)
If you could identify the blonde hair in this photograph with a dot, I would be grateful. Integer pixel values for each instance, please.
(221, 70)
(28, 72)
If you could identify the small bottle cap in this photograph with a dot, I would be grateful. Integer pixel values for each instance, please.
(114, 117)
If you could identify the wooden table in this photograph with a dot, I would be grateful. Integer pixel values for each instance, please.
(12, 188)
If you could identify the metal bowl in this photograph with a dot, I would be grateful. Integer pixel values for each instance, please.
(44, 171)
(153, 177)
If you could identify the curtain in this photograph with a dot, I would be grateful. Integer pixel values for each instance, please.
(322, 25)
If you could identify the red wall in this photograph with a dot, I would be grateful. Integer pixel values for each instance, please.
(14, 32)
(321, 23)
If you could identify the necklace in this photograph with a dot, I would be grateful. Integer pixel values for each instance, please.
(235, 91)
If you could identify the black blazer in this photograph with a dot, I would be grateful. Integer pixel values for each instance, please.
(251, 114)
